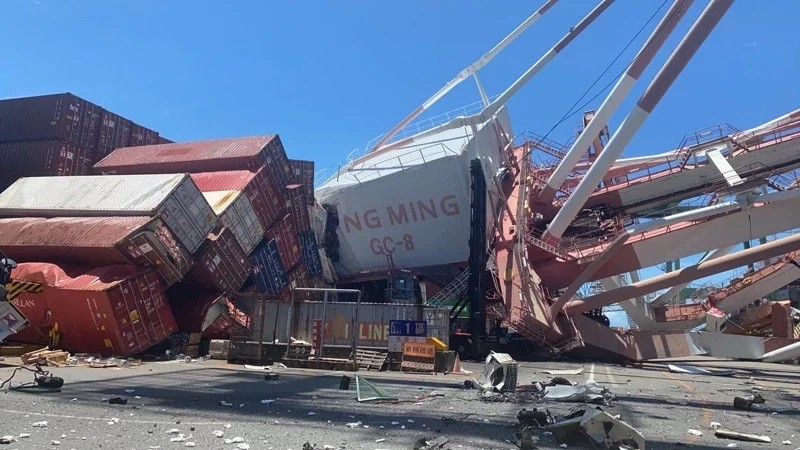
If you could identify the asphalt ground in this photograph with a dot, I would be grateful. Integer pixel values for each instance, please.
(307, 406)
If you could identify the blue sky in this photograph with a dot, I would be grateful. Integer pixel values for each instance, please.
(330, 76)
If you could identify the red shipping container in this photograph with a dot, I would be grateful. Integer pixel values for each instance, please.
(299, 277)
(97, 241)
(220, 264)
(114, 311)
(115, 132)
(288, 245)
(42, 158)
(298, 208)
(90, 121)
(267, 204)
(303, 172)
(204, 312)
(163, 140)
(246, 153)
(53, 117)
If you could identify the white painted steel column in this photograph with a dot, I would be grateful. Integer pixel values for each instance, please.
(645, 56)
(783, 354)
(464, 74)
(644, 106)
(665, 298)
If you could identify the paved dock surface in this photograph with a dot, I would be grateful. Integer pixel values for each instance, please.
(307, 406)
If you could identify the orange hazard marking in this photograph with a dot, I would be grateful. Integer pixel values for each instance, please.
(419, 350)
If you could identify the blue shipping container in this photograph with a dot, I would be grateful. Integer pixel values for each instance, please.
(268, 271)
(308, 246)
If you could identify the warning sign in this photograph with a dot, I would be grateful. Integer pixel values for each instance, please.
(402, 331)
(418, 357)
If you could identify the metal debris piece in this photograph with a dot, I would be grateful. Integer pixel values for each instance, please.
(745, 403)
(589, 392)
(696, 370)
(597, 429)
(526, 439)
(533, 417)
(425, 444)
(564, 372)
(735, 435)
(695, 432)
(7, 439)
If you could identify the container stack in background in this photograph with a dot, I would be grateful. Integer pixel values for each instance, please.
(191, 225)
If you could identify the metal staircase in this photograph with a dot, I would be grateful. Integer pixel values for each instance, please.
(552, 249)
(452, 291)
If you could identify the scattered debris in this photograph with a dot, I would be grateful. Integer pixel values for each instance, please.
(378, 441)
(45, 357)
(564, 372)
(425, 444)
(130, 391)
(735, 435)
(534, 417)
(42, 424)
(372, 391)
(173, 431)
(786, 442)
(24, 435)
(7, 439)
(179, 438)
(118, 401)
(714, 425)
(243, 446)
(745, 403)
(561, 381)
(235, 440)
(224, 403)
(695, 370)
(499, 373)
(589, 392)
(599, 429)
(267, 401)
(189, 444)
(55, 442)
(525, 439)
(695, 432)
(354, 424)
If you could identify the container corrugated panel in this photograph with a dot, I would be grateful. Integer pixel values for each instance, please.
(266, 193)
(246, 153)
(296, 202)
(220, 264)
(90, 121)
(249, 183)
(55, 117)
(42, 158)
(269, 273)
(115, 132)
(173, 197)
(236, 213)
(308, 245)
(284, 232)
(141, 136)
(191, 308)
(114, 310)
(299, 278)
(303, 172)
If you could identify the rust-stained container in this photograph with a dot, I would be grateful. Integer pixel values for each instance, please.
(298, 208)
(220, 264)
(115, 132)
(90, 121)
(42, 158)
(236, 213)
(299, 277)
(303, 173)
(97, 241)
(173, 197)
(114, 311)
(267, 203)
(245, 153)
(45, 117)
(286, 236)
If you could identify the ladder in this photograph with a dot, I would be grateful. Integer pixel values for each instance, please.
(454, 290)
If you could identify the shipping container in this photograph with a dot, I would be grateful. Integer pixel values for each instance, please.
(174, 198)
(246, 153)
(269, 274)
(298, 208)
(373, 321)
(46, 117)
(205, 312)
(90, 121)
(42, 158)
(236, 213)
(303, 173)
(267, 203)
(163, 140)
(284, 232)
(141, 136)
(115, 132)
(97, 241)
(299, 278)
(221, 264)
(113, 311)
(311, 258)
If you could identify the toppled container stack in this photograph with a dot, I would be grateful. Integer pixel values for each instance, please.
(195, 223)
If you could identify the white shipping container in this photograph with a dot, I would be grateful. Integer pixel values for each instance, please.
(236, 212)
(174, 197)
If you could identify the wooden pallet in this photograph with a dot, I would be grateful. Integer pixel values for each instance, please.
(371, 359)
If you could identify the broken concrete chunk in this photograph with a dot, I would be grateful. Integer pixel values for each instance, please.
(218, 433)
(735, 435)
(745, 403)
(7, 439)
(695, 432)
(243, 446)
(42, 424)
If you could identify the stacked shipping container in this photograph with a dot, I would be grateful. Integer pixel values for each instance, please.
(239, 222)
(59, 134)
